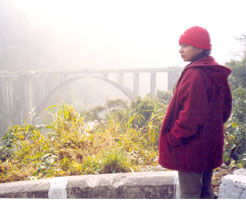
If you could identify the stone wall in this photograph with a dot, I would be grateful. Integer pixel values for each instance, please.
(140, 185)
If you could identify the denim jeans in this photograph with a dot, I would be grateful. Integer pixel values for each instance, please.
(196, 185)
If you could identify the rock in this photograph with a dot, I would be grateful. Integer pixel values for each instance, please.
(233, 186)
(240, 172)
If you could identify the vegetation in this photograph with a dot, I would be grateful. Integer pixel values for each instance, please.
(126, 139)
(235, 140)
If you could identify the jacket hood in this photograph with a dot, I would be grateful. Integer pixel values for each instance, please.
(218, 73)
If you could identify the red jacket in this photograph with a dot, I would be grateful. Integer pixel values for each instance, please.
(192, 137)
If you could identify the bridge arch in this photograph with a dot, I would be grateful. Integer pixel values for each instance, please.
(57, 89)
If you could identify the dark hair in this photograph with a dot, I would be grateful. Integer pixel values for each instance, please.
(204, 53)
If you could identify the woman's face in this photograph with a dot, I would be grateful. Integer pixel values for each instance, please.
(189, 52)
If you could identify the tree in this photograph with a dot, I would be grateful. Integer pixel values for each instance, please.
(235, 143)
(23, 46)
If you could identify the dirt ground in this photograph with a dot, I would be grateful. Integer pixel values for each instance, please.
(219, 173)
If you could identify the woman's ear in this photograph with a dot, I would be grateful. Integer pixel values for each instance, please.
(199, 50)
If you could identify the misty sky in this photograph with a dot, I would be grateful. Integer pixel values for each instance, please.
(135, 33)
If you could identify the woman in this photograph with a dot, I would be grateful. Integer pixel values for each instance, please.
(191, 138)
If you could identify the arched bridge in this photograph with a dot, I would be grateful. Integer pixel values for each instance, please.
(29, 89)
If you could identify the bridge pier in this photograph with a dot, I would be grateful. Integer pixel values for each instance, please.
(153, 84)
(136, 84)
(121, 78)
(173, 74)
(7, 89)
(28, 94)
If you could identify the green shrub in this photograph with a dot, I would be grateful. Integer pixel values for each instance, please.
(66, 147)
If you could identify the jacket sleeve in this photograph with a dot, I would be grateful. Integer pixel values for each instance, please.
(194, 107)
(227, 103)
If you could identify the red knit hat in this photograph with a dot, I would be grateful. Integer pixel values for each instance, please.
(196, 36)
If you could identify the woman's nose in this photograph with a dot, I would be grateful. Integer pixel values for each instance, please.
(180, 50)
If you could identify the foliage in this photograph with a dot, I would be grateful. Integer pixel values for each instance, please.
(238, 75)
(235, 139)
(68, 146)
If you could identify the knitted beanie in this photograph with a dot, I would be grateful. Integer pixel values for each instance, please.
(196, 36)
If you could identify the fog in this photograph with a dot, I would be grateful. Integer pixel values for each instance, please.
(58, 35)
(80, 34)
